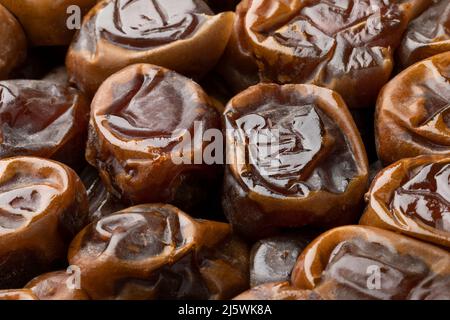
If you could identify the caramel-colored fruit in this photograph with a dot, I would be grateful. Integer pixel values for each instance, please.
(358, 262)
(427, 35)
(413, 111)
(158, 252)
(139, 119)
(44, 205)
(412, 196)
(43, 119)
(294, 158)
(345, 45)
(184, 36)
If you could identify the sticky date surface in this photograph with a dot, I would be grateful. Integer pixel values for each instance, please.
(141, 117)
(412, 196)
(142, 24)
(330, 43)
(158, 252)
(45, 119)
(288, 149)
(43, 205)
(355, 262)
(427, 35)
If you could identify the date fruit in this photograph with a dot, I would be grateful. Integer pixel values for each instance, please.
(44, 205)
(413, 111)
(412, 196)
(156, 251)
(294, 158)
(184, 36)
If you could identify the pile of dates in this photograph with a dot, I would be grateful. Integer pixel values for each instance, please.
(206, 149)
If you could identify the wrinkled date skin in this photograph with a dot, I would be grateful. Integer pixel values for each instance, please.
(272, 259)
(57, 285)
(412, 196)
(130, 138)
(42, 119)
(118, 33)
(311, 169)
(14, 44)
(158, 252)
(345, 263)
(140, 117)
(47, 22)
(18, 294)
(413, 112)
(427, 35)
(335, 44)
(101, 202)
(43, 205)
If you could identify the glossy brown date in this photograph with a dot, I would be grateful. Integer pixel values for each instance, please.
(272, 259)
(43, 205)
(358, 262)
(158, 252)
(48, 22)
(43, 119)
(184, 36)
(140, 117)
(427, 35)
(57, 285)
(14, 44)
(413, 112)
(412, 196)
(346, 45)
(294, 158)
